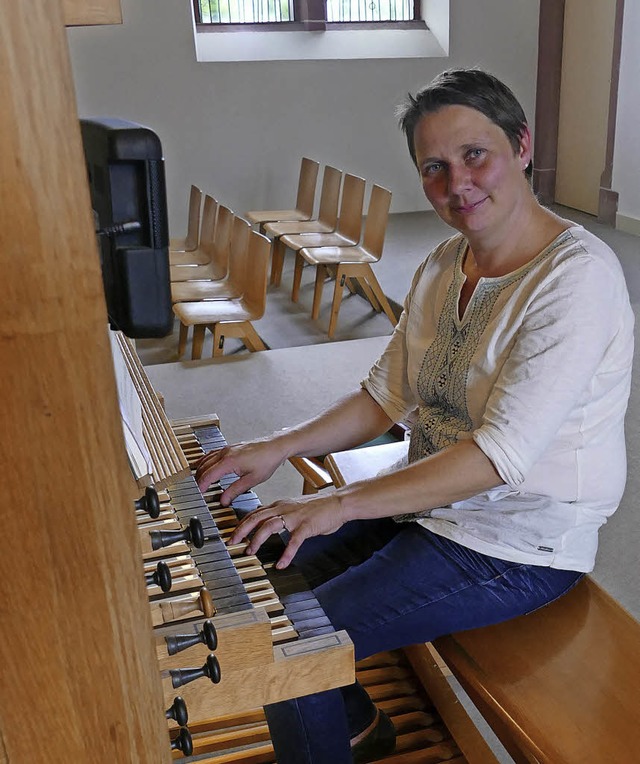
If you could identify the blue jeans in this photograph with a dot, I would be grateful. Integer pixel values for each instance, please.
(390, 585)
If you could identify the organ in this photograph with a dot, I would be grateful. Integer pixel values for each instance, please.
(84, 670)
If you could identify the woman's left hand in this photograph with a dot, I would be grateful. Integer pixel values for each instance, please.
(304, 517)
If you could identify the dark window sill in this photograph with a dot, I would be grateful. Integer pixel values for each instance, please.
(311, 26)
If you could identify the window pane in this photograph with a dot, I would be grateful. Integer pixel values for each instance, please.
(369, 10)
(245, 11)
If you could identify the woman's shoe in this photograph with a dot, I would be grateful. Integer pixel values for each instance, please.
(380, 742)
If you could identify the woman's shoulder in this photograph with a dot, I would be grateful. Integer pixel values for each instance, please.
(576, 242)
(580, 267)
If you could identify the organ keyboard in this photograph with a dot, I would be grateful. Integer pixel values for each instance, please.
(272, 636)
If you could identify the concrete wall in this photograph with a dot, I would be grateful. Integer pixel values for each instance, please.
(239, 129)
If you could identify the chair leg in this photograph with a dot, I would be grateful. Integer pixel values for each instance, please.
(198, 341)
(218, 340)
(369, 294)
(317, 292)
(297, 277)
(277, 262)
(182, 339)
(252, 340)
(337, 299)
(242, 330)
(380, 296)
(308, 488)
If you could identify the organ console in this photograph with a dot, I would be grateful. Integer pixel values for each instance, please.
(232, 633)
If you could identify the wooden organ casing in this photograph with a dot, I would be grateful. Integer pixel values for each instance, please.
(79, 673)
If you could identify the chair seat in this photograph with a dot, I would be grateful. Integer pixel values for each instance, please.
(194, 313)
(182, 245)
(335, 255)
(269, 216)
(206, 272)
(188, 291)
(298, 241)
(194, 257)
(282, 228)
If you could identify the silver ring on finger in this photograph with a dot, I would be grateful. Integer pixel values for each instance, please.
(284, 524)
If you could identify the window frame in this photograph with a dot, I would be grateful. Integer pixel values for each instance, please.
(309, 16)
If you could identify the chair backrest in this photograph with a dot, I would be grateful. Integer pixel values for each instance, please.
(375, 226)
(238, 253)
(307, 185)
(330, 196)
(221, 241)
(208, 226)
(254, 295)
(193, 223)
(350, 217)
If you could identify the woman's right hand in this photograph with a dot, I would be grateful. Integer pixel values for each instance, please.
(253, 462)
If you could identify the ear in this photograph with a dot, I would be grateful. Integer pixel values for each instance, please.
(524, 150)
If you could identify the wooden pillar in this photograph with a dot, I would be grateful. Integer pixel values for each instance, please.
(79, 679)
(545, 154)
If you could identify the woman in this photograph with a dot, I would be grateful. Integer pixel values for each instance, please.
(512, 361)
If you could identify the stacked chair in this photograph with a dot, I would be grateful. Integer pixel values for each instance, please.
(226, 293)
(325, 222)
(179, 247)
(201, 262)
(194, 282)
(352, 262)
(305, 198)
(220, 282)
(335, 243)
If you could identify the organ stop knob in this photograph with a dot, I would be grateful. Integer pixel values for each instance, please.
(149, 503)
(161, 577)
(193, 534)
(178, 711)
(178, 642)
(183, 742)
(211, 669)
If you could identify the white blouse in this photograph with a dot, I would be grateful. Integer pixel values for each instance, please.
(537, 371)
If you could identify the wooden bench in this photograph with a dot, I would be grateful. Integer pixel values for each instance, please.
(558, 686)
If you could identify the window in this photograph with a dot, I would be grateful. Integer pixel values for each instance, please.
(303, 30)
(310, 14)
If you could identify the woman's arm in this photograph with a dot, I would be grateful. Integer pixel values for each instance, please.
(353, 420)
(453, 474)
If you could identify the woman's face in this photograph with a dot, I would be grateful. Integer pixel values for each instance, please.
(468, 168)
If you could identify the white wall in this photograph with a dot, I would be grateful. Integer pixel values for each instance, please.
(239, 129)
(626, 164)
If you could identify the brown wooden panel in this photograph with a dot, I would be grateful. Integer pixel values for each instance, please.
(79, 681)
(562, 682)
(90, 12)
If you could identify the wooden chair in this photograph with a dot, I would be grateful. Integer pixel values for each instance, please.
(304, 200)
(230, 237)
(193, 265)
(353, 262)
(325, 222)
(557, 686)
(231, 317)
(347, 231)
(190, 242)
